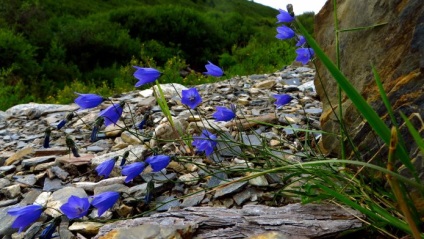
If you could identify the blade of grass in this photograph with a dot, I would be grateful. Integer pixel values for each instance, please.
(361, 104)
(378, 217)
(415, 134)
(394, 184)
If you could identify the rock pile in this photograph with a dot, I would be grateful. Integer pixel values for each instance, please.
(49, 176)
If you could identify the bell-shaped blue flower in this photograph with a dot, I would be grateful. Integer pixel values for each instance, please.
(133, 170)
(158, 162)
(104, 201)
(223, 114)
(282, 99)
(284, 33)
(145, 75)
(304, 55)
(87, 101)
(284, 16)
(105, 168)
(47, 233)
(205, 142)
(191, 98)
(301, 41)
(76, 207)
(25, 215)
(112, 113)
(213, 70)
(46, 142)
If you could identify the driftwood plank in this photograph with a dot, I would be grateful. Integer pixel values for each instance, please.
(294, 221)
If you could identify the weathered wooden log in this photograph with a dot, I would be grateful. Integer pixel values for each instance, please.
(293, 221)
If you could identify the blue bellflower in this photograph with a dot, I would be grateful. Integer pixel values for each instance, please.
(25, 215)
(284, 33)
(304, 55)
(284, 16)
(301, 41)
(112, 113)
(104, 201)
(205, 142)
(124, 158)
(66, 120)
(213, 70)
(223, 114)
(145, 75)
(47, 233)
(105, 168)
(158, 162)
(76, 207)
(46, 142)
(282, 99)
(191, 98)
(87, 101)
(133, 170)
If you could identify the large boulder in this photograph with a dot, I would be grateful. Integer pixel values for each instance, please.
(396, 49)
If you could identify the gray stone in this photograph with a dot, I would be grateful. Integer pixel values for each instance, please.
(171, 90)
(251, 140)
(25, 109)
(136, 151)
(216, 179)
(314, 111)
(293, 81)
(60, 197)
(167, 202)
(7, 168)
(59, 172)
(6, 221)
(193, 200)
(95, 148)
(117, 187)
(8, 202)
(37, 160)
(29, 179)
(229, 188)
(11, 191)
(159, 177)
(51, 185)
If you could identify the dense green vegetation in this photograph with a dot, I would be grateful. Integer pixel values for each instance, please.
(51, 48)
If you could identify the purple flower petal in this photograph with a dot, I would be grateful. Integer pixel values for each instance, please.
(205, 142)
(133, 170)
(76, 207)
(158, 162)
(104, 201)
(223, 114)
(282, 99)
(145, 75)
(213, 70)
(301, 41)
(112, 113)
(25, 215)
(284, 16)
(191, 98)
(105, 168)
(87, 101)
(284, 33)
(304, 55)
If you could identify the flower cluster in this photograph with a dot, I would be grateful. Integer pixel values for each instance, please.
(304, 54)
(74, 208)
(156, 162)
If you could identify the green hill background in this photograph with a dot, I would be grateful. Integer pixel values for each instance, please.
(51, 48)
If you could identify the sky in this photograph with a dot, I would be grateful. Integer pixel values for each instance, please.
(299, 6)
